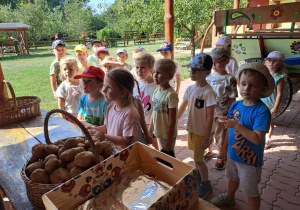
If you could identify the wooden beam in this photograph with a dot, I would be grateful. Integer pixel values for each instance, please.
(26, 42)
(279, 34)
(282, 13)
(169, 22)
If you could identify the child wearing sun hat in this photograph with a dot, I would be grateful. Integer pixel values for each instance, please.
(248, 121)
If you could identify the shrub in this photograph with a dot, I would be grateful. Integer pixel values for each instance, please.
(109, 33)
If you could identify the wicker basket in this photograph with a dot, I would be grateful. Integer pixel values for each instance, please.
(36, 190)
(20, 108)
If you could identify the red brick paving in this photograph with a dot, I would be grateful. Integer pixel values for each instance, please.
(280, 183)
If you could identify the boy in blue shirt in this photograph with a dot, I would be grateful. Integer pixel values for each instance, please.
(92, 106)
(248, 121)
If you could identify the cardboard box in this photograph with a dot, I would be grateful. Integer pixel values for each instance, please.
(183, 178)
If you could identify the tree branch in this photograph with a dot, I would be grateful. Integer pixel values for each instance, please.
(189, 30)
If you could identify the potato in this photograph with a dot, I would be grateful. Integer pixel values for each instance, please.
(59, 142)
(61, 164)
(60, 146)
(51, 165)
(40, 176)
(51, 149)
(75, 171)
(107, 149)
(99, 147)
(61, 150)
(49, 157)
(101, 158)
(70, 165)
(69, 155)
(70, 143)
(33, 166)
(87, 145)
(38, 153)
(34, 147)
(99, 135)
(59, 175)
(81, 145)
(84, 159)
(80, 140)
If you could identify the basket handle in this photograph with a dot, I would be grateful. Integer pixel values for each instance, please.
(12, 92)
(81, 126)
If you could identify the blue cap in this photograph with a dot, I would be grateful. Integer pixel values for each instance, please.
(165, 46)
(201, 60)
(57, 42)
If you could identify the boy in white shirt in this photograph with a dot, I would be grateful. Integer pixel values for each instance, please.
(200, 99)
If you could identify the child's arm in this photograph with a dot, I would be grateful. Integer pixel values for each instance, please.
(151, 126)
(92, 129)
(53, 84)
(61, 105)
(143, 123)
(225, 146)
(182, 108)
(171, 129)
(178, 82)
(279, 89)
(255, 136)
(208, 125)
(122, 141)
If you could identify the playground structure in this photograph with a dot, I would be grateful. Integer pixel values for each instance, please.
(251, 41)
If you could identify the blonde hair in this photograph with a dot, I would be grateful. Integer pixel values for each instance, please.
(150, 60)
(124, 80)
(69, 62)
(282, 69)
(167, 65)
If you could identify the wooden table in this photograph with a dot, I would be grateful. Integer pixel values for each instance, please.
(16, 142)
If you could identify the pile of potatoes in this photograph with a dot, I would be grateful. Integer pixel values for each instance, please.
(62, 160)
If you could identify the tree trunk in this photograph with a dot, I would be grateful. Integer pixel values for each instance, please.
(169, 22)
(193, 45)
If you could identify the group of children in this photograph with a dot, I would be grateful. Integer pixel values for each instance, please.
(141, 104)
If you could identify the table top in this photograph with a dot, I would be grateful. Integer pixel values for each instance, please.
(15, 148)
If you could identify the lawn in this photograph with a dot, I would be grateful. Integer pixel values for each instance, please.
(29, 74)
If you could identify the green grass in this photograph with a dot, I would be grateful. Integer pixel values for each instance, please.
(29, 74)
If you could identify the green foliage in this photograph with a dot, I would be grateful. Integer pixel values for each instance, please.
(109, 33)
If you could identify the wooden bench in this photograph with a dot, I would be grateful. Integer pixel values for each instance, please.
(15, 148)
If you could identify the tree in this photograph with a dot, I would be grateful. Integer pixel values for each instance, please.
(193, 16)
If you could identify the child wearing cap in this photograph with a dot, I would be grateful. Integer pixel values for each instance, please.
(70, 90)
(248, 121)
(122, 56)
(166, 50)
(81, 53)
(110, 63)
(101, 52)
(92, 106)
(59, 50)
(277, 68)
(94, 58)
(224, 86)
(232, 66)
(200, 100)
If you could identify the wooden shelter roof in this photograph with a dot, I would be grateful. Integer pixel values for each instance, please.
(13, 27)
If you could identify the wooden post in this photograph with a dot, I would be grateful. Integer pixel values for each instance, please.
(236, 5)
(26, 43)
(169, 22)
(3, 91)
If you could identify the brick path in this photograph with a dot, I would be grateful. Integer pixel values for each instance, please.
(280, 184)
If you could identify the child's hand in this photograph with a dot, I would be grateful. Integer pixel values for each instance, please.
(55, 97)
(149, 139)
(204, 144)
(167, 147)
(91, 129)
(274, 111)
(228, 123)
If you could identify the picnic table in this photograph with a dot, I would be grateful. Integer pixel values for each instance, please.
(15, 148)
